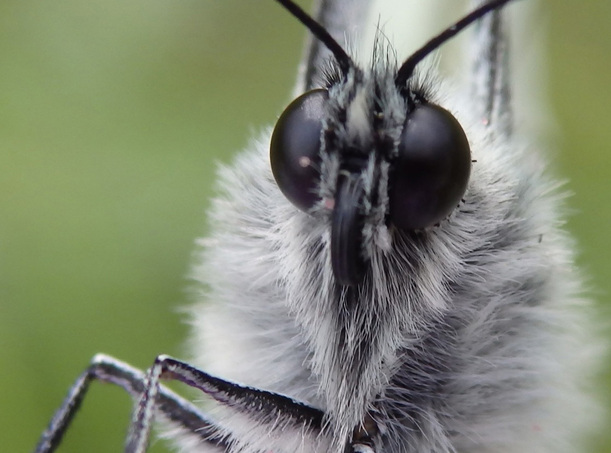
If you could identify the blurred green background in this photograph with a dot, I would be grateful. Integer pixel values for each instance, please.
(112, 114)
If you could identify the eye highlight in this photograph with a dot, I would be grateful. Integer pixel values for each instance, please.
(295, 148)
(431, 172)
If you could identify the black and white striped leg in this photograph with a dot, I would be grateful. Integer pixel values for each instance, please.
(268, 416)
(107, 369)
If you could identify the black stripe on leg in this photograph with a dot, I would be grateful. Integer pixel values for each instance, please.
(107, 369)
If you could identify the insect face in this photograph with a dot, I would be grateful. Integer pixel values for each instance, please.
(370, 155)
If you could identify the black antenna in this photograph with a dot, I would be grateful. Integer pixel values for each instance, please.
(407, 68)
(344, 61)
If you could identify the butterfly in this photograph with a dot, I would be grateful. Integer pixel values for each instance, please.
(395, 281)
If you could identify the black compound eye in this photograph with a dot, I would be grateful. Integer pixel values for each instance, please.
(432, 169)
(295, 148)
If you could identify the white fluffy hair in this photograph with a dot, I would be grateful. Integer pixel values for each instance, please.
(471, 336)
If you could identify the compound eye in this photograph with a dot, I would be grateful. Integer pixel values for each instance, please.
(295, 148)
(432, 169)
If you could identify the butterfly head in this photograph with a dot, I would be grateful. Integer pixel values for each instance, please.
(368, 150)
